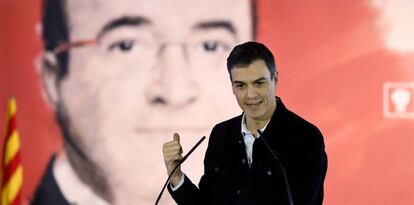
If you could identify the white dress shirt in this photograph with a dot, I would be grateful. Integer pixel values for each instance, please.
(249, 138)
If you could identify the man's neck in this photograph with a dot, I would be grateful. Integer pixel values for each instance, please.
(72, 188)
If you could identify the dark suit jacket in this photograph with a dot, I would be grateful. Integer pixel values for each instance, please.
(48, 191)
(228, 179)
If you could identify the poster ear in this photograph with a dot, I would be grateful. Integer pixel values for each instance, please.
(49, 73)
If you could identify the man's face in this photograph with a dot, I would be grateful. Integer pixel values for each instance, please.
(254, 89)
(158, 68)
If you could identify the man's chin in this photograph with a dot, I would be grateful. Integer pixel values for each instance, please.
(255, 115)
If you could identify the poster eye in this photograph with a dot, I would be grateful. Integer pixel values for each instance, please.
(123, 46)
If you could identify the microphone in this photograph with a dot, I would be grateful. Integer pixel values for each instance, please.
(285, 179)
(179, 163)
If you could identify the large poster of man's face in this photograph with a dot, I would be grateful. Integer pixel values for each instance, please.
(101, 85)
(139, 74)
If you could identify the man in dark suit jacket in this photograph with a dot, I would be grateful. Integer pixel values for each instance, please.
(238, 168)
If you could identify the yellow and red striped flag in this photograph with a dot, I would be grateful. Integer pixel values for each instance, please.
(12, 178)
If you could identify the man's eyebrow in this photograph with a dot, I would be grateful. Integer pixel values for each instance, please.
(259, 79)
(123, 21)
(216, 24)
(238, 82)
(254, 81)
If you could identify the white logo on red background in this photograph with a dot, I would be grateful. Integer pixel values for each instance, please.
(398, 100)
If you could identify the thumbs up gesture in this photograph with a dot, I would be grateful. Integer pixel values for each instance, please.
(172, 152)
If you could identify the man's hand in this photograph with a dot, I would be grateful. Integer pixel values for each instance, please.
(172, 155)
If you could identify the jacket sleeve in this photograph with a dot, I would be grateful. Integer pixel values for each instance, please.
(307, 182)
(189, 193)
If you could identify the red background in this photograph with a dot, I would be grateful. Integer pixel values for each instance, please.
(332, 61)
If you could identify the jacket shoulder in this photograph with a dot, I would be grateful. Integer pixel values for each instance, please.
(235, 121)
(304, 129)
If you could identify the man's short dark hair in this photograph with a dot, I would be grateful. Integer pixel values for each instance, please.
(55, 31)
(246, 53)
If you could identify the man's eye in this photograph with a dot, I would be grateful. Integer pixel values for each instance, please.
(210, 46)
(123, 46)
(213, 46)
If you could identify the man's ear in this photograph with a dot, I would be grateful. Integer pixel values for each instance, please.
(50, 74)
(276, 77)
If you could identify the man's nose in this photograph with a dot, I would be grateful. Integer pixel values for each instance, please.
(175, 86)
(251, 92)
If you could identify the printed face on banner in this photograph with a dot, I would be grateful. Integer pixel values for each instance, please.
(158, 67)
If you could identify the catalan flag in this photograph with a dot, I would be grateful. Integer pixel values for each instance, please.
(12, 178)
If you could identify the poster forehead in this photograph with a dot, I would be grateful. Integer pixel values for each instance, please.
(86, 18)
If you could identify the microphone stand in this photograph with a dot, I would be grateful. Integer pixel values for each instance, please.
(285, 179)
(179, 163)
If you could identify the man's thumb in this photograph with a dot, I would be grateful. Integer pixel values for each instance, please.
(177, 137)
